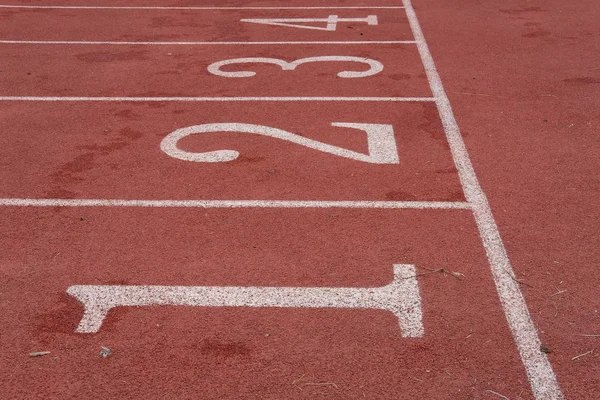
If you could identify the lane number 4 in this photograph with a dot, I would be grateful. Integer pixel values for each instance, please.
(330, 22)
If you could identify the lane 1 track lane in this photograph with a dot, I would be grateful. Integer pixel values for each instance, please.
(245, 352)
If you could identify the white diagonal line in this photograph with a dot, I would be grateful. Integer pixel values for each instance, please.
(541, 376)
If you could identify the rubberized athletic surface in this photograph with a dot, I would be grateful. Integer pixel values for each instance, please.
(396, 202)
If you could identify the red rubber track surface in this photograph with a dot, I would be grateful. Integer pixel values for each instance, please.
(160, 25)
(523, 80)
(522, 77)
(250, 353)
(181, 71)
(112, 150)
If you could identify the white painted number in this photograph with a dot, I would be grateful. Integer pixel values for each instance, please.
(401, 297)
(380, 139)
(331, 22)
(375, 66)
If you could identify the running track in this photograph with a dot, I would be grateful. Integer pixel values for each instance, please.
(92, 196)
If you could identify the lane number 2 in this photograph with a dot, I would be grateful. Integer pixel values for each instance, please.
(375, 66)
(380, 138)
(331, 22)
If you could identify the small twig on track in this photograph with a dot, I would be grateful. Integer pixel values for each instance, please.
(444, 271)
(321, 384)
(519, 281)
(296, 380)
(559, 292)
(582, 355)
(498, 394)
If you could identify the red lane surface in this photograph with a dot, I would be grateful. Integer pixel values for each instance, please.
(68, 70)
(523, 79)
(112, 150)
(186, 352)
(194, 25)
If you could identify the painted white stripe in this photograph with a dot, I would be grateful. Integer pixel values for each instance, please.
(401, 297)
(541, 376)
(18, 202)
(83, 42)
(144, 99)
(207, 8)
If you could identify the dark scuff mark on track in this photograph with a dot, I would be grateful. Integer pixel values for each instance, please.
(69, 173)
(61, 319)
(112, 56)
(227, 349)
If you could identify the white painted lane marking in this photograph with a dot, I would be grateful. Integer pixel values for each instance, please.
(380, 139)
(208, 8)
(350, 42)
(401, 297)
(331, 22)
(20, 202)
(148, 99)
(375, 66)
(541, 376)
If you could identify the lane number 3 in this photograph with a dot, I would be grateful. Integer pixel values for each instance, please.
(380, 139)
(375, 66)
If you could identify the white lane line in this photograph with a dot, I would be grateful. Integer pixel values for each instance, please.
(401, 297)
(206, 8)
(84, 42)
(541, 376)
(19, 202)
(73, 98)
